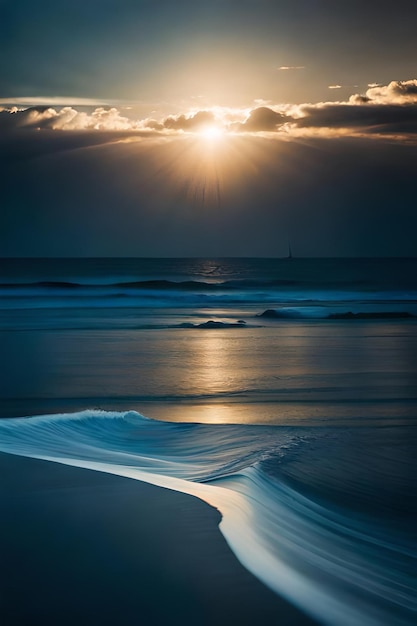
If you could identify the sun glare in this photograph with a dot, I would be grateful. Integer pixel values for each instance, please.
(211, 133)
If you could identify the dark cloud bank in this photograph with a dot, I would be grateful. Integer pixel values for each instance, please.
(92, 191)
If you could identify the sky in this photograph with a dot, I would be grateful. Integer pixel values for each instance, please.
(222, 128)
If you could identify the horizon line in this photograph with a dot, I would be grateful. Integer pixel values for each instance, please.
(255, 257)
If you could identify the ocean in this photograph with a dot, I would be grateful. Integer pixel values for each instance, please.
(281, 391)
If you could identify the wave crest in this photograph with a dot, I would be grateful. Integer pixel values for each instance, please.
(340, 569)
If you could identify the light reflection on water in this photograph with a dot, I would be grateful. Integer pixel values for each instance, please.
(291, 373)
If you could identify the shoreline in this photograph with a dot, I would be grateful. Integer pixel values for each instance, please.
(81, 546)
(299, 413)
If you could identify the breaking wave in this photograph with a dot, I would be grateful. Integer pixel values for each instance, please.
(341, 568)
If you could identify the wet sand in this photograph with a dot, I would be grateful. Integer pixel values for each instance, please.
(82, 547)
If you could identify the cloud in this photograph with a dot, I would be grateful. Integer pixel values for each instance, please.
(100, 119)
(383, 110)
(397, 91)
(286, 68)
(189, 123)
(122, 198)
(261, 119)
(361, 116)
(67, 118)
(36, 101)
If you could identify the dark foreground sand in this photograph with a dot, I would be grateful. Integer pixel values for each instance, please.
(78, 547)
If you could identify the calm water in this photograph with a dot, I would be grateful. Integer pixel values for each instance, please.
(299, 377)
(140, 333)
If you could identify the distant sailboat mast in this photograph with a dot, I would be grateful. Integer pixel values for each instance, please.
(289, 251)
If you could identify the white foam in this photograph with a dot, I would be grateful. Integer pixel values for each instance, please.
(339, 572)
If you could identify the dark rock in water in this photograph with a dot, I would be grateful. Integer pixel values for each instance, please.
(287, 313)
(214, 324)
(376, 315)
(211, 324)
(271, 313)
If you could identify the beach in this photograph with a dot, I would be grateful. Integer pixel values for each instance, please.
(83, 547)
(208, 313)
(225, 441)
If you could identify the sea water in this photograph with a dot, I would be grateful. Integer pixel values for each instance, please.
(281, 391)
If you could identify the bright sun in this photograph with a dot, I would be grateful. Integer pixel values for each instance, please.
(211, 133)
